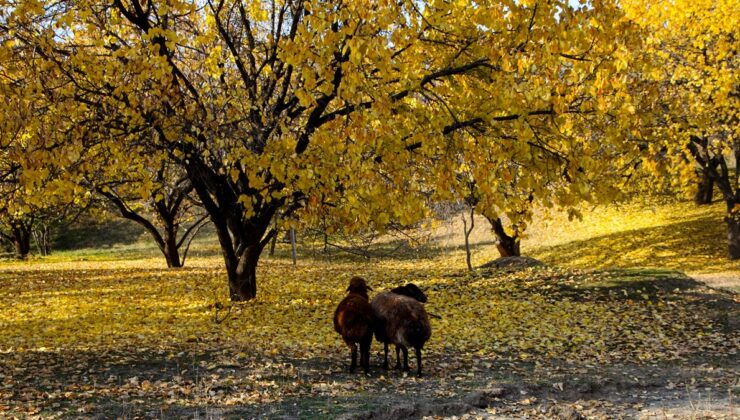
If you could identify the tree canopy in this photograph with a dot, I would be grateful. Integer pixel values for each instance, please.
(367, 109)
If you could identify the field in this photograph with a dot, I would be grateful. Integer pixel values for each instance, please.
(615, 324)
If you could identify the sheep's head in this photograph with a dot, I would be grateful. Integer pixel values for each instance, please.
(358, 285)
(411, 290)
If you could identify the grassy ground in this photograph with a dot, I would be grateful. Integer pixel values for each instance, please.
(667, 235)
(113, 334)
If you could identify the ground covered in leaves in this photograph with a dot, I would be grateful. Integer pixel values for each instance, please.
(108, 332)
(129, 339)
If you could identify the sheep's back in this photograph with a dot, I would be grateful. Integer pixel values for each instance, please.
(401, 320)
(354, 318)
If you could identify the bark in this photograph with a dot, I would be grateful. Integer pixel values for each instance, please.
(242, 239)
(705, 188)
(273, 242)
(467, 236)
(733, 235)
(170, 248)
(716, 167)
(22, 246)
(169, 212)
(42, 237)
(21, 239)
(243, 276)
(508, 246)
(292, 246)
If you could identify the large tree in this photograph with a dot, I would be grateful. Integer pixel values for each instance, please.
(271, 107)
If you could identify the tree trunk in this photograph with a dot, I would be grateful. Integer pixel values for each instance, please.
(467, 233)
(716, 167)
(243, 276)
(22, 248)
(170, 249)
(273, 242)
(241, 239)
(508, 246)
(42, 237)
(292, 246)
(21, 242)
(705, 189)
(733, 234)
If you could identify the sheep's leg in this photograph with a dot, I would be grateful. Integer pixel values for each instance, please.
(365, 355)
(353, 365)
(398, 357)
(385, 360)
(405, 358)
(418, 362)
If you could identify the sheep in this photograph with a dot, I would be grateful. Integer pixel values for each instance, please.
(402, 320)
(411, 290)
(354, 321)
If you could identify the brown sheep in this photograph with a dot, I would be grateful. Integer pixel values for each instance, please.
(403, 321)
(411, 290)
(354, 321)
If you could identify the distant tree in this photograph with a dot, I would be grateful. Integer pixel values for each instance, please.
(150, 191)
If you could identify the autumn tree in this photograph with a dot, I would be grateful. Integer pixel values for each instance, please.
(283, 106)
(27, 182)
(146, 189)
(692, 62)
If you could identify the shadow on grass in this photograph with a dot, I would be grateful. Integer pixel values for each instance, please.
(397, 249)
(89, 233)
(203, 383)
(696, 245)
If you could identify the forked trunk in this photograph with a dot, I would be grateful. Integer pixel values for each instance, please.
(508, 246)
(241, 239)
(42, 236)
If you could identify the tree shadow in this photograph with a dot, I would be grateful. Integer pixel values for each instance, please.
(696, 245)
(396, 249)
(203, 383)
(90, 233)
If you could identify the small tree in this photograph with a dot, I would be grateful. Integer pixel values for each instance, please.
(158, 198)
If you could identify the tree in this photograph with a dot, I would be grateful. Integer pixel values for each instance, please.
(17, 231)
(277, 107)
(692, 60)
(27, 182)
(149, 191)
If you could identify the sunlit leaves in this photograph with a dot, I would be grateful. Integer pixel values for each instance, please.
(460, 84)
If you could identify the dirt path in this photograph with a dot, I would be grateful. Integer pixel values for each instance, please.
(729, 280)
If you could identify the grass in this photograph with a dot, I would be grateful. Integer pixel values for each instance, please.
(675, 235)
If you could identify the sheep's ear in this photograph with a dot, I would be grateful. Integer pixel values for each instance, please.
(369, 288)
(348, 288)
